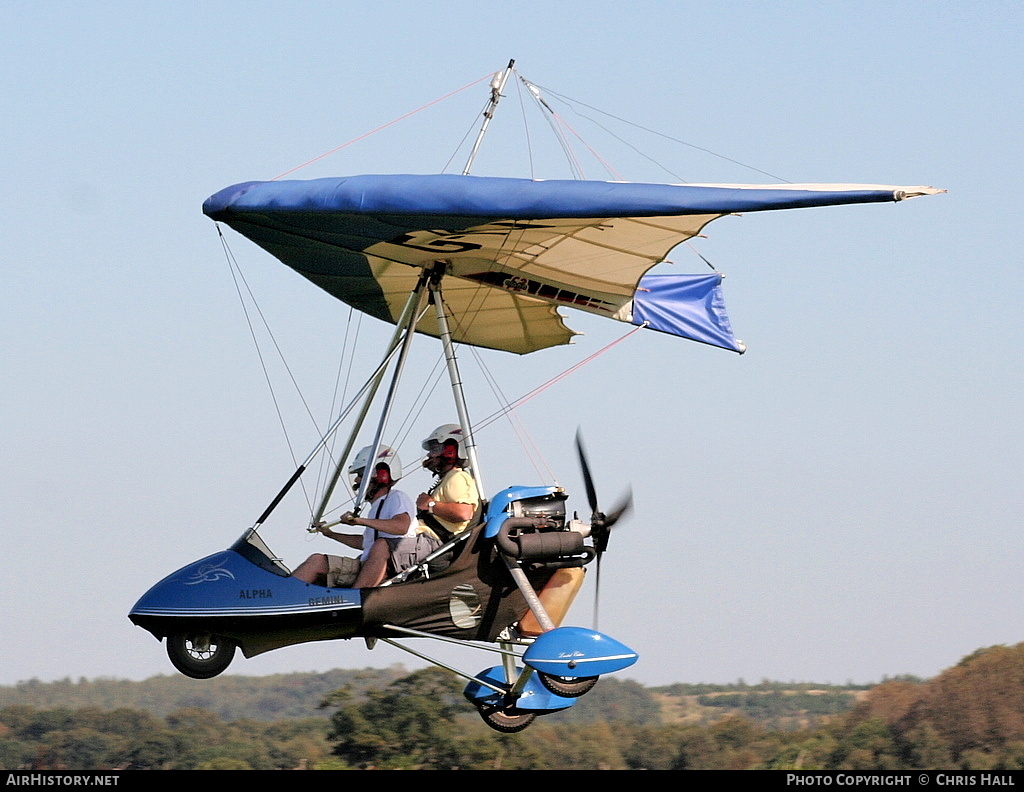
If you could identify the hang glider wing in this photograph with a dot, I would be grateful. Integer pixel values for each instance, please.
(516, 249)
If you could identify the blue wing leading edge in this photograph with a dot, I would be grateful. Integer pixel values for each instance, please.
(517, 248)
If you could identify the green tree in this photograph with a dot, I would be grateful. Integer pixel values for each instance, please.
(927, 749)
(224, 763)
(571, 746)
(156, 749)
(411, 723)
(81, 749)
(654, 747)
(868, 745)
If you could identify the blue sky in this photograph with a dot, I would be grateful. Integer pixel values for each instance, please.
(842, 502)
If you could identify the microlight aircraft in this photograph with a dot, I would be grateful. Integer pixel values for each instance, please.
(486, 262)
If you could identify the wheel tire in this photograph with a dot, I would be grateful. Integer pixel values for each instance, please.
(567, 687)
(508, 720)
(200, 656)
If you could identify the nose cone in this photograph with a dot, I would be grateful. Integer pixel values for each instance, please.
(577, 652)
(203, 587)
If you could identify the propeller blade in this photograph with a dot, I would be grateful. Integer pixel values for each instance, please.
(588, 480)
(624, 507)
(600, 523)
(601, 527)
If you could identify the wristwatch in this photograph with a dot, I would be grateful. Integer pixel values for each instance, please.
(430, 506)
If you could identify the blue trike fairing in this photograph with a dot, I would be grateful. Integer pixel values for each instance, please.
(247, 597)
(573, 652)
(535, 697)
(244, 594)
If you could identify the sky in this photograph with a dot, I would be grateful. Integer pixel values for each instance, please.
(841, 503)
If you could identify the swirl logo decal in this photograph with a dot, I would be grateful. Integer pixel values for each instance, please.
(208, 573)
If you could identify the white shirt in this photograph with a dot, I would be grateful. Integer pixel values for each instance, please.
(391, 505)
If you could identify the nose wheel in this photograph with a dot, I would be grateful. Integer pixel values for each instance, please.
(570, 687)
(508, 720)
(200, 656)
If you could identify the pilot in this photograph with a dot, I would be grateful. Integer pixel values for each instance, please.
(449, 506)
(392, 540)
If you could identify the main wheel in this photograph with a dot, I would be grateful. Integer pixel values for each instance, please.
(508, 720)
(199, 655)
(570, 687)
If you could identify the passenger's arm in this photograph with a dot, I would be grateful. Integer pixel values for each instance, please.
(453, 512)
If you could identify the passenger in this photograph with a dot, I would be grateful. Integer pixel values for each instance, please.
(451, 504)
(392, 541)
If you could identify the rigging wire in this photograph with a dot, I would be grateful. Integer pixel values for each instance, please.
(557, 378)
(518, 427)
(604, 163)
(395, 444)
(570, 102)
(422, 398)
(526, 126)
(561, 121)
(381, 127)
(236, 276)
(575, 168)
(273, 339)
(700, 255)
(462, 328)
(379, 372)
(461, 143)
(340, 391)
(605, 129)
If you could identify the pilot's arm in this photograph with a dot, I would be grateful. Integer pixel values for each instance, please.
(396, 526)
(349, 540)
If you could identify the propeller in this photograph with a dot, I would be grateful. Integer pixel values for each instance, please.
(600, 522)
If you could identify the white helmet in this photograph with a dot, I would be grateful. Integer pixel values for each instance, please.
(385, 456)
(444, 433)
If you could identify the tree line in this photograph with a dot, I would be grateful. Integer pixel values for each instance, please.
(298, 695)
(970, 717)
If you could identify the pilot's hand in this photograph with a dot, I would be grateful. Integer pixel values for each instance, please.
(423, 501)
(348, 518)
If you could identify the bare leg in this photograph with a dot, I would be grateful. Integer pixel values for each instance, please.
(375, 566)
(313, 569)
